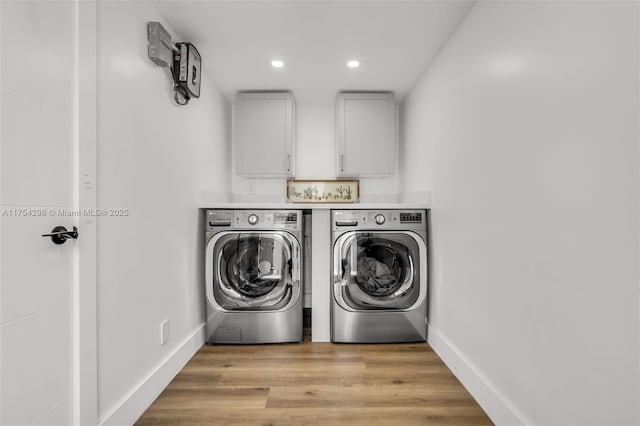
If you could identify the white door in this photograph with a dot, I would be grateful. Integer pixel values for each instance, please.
(38, 166)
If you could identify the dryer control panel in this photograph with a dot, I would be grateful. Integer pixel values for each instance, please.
(378, 219)
(254, 219)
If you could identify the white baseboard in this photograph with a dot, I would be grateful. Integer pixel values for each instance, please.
(134, 404)
(492, 402)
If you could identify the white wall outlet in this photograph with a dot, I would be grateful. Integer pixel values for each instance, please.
(164, 332)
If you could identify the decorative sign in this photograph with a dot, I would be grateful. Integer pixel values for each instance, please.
(323, 191)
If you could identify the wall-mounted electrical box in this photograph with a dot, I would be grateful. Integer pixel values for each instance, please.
(182, 59)
(159, 45)
(186, 68)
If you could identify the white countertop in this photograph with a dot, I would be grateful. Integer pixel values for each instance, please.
(311, 206)
(211, 200)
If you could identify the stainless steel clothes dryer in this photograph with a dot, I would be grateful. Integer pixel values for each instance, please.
(253, 271)
(379, 289)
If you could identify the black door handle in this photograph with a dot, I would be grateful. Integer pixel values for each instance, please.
(60, 235)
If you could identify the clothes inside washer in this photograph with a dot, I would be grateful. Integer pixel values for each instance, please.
(374, 276)
(380, 270)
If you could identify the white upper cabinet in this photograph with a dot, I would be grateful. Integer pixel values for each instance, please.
(265, 134)
(367, 134)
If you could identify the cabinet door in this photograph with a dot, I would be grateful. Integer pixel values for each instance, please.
(264, 134)
(366, 134)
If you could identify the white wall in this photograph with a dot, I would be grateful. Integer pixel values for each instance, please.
(153, 158)
(315, 159)
(525, 128)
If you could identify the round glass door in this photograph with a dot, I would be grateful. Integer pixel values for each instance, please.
(376, 270)
(254, 271)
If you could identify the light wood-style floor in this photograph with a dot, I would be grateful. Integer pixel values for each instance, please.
(315, 384)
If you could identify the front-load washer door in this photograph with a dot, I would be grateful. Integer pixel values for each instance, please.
(257, 271)
(379, 270)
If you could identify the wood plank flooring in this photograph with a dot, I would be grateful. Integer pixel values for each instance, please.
(315, 384)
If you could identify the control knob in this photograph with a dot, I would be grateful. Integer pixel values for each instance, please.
(253, 219)
(379, 219)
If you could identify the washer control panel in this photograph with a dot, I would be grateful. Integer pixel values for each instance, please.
(378, 219)
(254, 219)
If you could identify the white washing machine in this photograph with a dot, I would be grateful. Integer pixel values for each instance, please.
(253, 276)
(379, 266)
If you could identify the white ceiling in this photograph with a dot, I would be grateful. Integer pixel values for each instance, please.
(393, 40)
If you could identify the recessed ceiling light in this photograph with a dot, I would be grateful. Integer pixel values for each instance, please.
(353, 64)
(276, 63)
